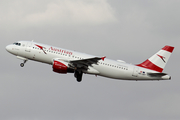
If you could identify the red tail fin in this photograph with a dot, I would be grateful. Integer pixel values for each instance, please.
(158, 61)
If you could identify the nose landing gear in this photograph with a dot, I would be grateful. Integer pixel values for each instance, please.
(22, 64)
(24, 59)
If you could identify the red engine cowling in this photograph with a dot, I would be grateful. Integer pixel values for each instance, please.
(61, 67)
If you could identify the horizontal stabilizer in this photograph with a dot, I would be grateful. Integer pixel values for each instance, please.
(156, 74)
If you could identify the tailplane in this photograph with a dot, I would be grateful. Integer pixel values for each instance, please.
(158, 61)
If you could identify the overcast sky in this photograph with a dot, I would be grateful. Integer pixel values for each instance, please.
(129, 30)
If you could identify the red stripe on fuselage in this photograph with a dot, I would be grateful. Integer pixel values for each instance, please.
(168, 48)
(41, 47)
(149, 65)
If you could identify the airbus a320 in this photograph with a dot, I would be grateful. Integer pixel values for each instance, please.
(65, 61)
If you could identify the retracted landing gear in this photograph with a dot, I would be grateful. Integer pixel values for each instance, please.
(22, 64)
(78, 75)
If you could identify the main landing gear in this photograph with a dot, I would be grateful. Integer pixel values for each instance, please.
(22, 64)
(78, 75)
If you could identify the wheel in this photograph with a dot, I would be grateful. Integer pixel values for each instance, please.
(22, 64)
(79, 77)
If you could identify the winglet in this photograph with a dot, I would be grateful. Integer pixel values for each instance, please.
(103, 58)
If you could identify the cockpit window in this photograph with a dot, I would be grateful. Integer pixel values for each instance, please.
(19, 44)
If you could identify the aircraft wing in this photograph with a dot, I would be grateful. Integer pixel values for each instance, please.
(84, 63)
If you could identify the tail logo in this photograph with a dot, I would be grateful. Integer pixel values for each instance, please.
(162, 58)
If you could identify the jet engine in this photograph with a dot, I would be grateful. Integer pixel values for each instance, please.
(62, 67)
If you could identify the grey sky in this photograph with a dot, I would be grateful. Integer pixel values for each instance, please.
(119, 29)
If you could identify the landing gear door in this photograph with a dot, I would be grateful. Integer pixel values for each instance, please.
(135, 71)
(28, 47)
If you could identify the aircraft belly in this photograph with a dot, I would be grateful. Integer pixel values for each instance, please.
(113, 72)
(44, 58)
(122, 74)
(92, 71)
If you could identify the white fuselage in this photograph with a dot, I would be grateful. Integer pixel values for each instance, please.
(107, 68)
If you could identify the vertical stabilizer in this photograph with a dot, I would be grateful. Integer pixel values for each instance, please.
(158, 61)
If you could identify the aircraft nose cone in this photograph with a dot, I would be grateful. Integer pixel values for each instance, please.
(8, 48)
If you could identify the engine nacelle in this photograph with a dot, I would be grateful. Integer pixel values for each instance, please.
(61, 67)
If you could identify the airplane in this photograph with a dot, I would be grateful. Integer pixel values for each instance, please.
(65, 61)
